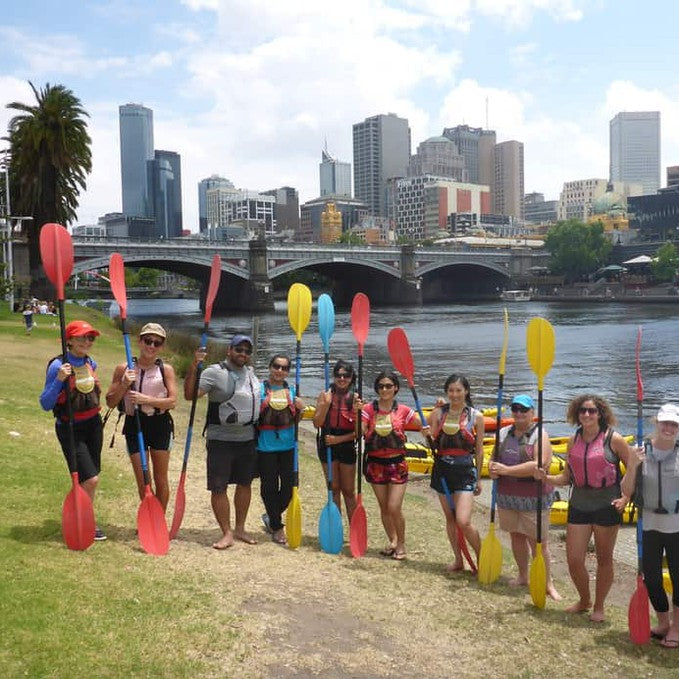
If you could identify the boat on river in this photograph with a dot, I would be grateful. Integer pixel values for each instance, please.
(515, 295)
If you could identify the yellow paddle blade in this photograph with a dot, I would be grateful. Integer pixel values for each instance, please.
(490, 558)
(505, 342)
(293, 521)
(540, 347)
(299, 308)
(537, 578)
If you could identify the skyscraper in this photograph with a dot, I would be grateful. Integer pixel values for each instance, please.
(212, 182)
(508, 183)
(335, 176)
(438, 156)
(635, 149)
(136, 149)
(476, 146)
(166, 181)
(381, 152)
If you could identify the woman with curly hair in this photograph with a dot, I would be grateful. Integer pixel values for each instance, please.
(599, 494)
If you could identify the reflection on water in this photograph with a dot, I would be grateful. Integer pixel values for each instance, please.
(594, 349)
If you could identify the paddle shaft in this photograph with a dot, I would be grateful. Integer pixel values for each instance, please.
(359, 420)
(539, 526)
(496, 449)
(298, 369)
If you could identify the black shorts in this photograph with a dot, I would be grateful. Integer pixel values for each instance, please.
(344, 453)
(89, 436)
(158, 431)
(459, 472)
(230, 462)
(606, 516)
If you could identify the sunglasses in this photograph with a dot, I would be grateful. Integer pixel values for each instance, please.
(278, 366)
(343, 376)
(385, 385)
(519, 409)
(151, 342)
(242, 350)
(588, 411)
(86, 338)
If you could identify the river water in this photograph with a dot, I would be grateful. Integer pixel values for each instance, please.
(594, 351)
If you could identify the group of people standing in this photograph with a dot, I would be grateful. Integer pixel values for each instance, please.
(251, 430)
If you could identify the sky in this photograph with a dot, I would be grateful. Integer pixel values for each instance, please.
(252, 90)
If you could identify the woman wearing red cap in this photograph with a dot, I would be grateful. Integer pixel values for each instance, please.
(81, 372)
(154, 394)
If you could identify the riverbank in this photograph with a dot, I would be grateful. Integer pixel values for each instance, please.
(262, 610)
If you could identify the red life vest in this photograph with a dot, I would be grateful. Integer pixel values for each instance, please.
(341, 417)
(384, 432)
(593, 464)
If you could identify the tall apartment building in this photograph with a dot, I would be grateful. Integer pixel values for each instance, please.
(204, 185)
(335, 176)
(635, 149)
(476, 146)
(508, 183)
(136, 151)
(381, 152)
(286, 208)
(438, 156)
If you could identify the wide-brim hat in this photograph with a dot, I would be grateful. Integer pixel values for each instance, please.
(153, 329)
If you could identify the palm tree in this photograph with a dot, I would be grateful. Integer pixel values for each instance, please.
(49, 158)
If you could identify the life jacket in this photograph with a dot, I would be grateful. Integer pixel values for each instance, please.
(341, 417)
(661, 480)
(277, 410)
(456, 438)
(594, 464)
(525, 452)
(242, 407)
(84, 391)
(151, 382)
(381, 434)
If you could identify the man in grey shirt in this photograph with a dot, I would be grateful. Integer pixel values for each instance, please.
(233, 409)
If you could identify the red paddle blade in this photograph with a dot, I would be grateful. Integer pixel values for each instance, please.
(360, 319)
(56, 253)
(151, 525)
(638, 614)
(179, 506)
(462, 542)
(215, 277)
(116, 272)
(77, 518)
(640, 384)
(399, 351)
(358, 531)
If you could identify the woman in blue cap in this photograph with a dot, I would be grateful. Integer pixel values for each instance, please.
(514, 466)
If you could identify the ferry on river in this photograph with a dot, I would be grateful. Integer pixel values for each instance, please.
(515, 295)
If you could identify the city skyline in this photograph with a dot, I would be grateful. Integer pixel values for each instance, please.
(255, 105)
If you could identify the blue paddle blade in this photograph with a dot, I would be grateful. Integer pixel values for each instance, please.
(330, 529)
(326, 320)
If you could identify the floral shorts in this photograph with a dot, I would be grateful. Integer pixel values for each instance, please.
(381, 471)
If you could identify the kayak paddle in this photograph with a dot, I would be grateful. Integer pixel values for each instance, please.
(402, 358)
(151, 526)
(638, 614)
(490, 557)
(180, 498)
(77, 513)
(330, 529)
(360, 326)
(540, 350)
(299, 315)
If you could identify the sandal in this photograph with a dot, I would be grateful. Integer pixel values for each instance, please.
(388, 551)
(398, 556)
(669, 643)
(279, 537)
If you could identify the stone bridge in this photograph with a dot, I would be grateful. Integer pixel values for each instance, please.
(389, 275)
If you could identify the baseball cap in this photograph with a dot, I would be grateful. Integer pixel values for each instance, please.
(524, 400)
(239, 339)
(668, 413)
(80, 328)
(153, 329)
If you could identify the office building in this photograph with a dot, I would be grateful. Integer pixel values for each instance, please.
(438, 156)
(655, 217)
(286, 208)
(204, 185)
(136, 151)
(537, 210)
(673, 177)
(335, 176)
(508, 184)
(476, 146)
(381, 152)
(166, 181)
(635, 149)
(578, 197)
(353, 213)
(252, 210)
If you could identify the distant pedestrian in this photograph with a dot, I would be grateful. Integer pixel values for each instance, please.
(28, 317)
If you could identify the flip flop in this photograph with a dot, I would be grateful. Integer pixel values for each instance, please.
(669, 643)
(398, 556)
(388, 551)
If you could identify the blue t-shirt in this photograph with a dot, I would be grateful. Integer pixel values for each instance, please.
(276, 440)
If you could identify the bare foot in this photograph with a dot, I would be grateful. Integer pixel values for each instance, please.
(244, 537)
(551, 592)
(597, 616)
(279, 537)
(518, 582)
(660, 631)
(579, 607)
(224, 542)
(455, 567)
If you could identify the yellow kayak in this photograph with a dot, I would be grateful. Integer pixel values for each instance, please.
(558, 515)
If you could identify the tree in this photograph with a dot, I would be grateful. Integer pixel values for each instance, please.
(49, 158)
(664, 268)
(577, 248)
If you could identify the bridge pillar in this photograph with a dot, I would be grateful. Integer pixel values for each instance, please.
(409, 289)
